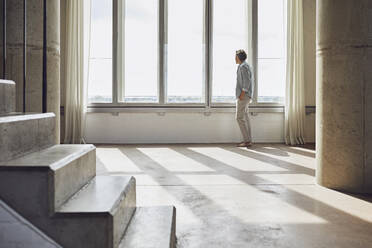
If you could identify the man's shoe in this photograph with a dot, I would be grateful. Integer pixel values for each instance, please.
(243, 144)
(248, 144)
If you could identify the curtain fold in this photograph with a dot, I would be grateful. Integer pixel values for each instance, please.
(295, 85)
(77, 66)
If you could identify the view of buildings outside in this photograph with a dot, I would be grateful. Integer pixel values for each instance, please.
(185, 49)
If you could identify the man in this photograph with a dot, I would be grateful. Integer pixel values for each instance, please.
(244, 94)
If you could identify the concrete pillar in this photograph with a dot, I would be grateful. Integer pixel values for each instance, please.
(34, 56)
(2, 76)
(53, 61)
(344, 95)
(14, 47)
(33, 41)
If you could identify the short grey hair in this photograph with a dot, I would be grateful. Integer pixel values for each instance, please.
(241, 55)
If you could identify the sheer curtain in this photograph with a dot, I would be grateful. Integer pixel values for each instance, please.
(295, 92)
(77, 52)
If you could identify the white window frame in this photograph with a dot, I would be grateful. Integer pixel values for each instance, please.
(162, 105)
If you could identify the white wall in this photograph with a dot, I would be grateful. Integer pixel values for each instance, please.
(180, 128)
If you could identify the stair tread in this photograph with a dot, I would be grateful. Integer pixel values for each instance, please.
(18, 116)
(53, 157)
(100, 195)
(6, 81)
(151, 227)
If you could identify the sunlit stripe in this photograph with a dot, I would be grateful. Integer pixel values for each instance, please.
(115, 161)
(235, 160)
(174, 161)
(284, 155)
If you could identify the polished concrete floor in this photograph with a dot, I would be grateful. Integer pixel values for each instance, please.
(225, 196)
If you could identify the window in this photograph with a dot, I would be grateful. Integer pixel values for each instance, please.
(100, 57)
(182, 53)
(141, 51)
(230, 33)
(271, 51)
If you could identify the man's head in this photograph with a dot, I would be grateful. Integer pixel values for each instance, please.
(240, 56)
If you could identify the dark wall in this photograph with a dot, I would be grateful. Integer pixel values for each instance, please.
(2, 39)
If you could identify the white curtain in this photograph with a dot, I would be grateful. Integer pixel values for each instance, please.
(295, 92)
(77, 54)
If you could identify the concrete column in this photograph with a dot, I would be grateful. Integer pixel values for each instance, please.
(34, 56)
(33, 40)
(344, 95)
(2, 76)
(14, 47)
(53, 61)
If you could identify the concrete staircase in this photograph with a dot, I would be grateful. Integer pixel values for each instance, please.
(55, 187)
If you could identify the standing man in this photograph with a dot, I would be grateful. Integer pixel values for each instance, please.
(244, 95)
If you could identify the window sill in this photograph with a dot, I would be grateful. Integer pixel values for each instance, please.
(254, 108)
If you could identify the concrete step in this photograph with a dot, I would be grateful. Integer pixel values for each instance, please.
(109, 197)
(151, 227)
(69, 168)
(7, 96)
(25, 133)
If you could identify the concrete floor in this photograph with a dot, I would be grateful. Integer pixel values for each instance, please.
(236, 197)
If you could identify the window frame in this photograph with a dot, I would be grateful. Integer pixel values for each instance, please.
(117, 91)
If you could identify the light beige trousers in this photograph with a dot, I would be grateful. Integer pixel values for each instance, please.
(242, 117)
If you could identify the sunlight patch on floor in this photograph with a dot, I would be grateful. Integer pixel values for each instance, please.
(235, 160)
(115, 161)
(287, 156)
(174, 161)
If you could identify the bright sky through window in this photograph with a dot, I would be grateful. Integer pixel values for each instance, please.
(185, 51)
(141, 50)
(271, 51)
(230, 33)
(100, 60)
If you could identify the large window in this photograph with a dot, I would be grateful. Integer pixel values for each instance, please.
(182, 53)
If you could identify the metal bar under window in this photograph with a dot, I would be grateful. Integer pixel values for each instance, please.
(255, 47)
(115, 31)
(161, 46)
(208, 25)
